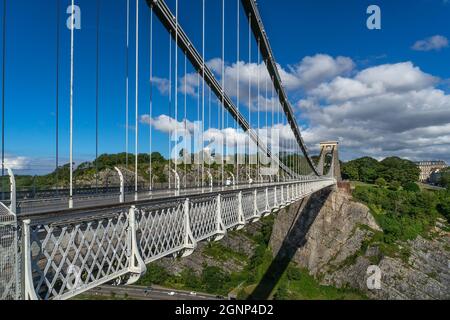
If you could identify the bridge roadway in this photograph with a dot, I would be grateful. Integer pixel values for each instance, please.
(43, 207)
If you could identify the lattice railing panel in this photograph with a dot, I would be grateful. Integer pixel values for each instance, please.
(261, 201)
(248, 205)
(67, 258)
(279, 196)
(9, 260)
(203, 218)
(272, 203)
(230, 210)
(161, 230)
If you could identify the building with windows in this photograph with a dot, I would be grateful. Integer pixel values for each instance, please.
(427, 168)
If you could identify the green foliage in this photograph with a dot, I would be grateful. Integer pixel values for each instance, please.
(412, 187)
(214, 279)
(304, 286)
(394, 185)
(401, 170)
(444, 180)
(402, 214)
(391, 169)
(444, 206)
(155, 275)
(190, 279)
(60, 177)
(381, 182)
(363, 169)
(220, 252)
(294, 273)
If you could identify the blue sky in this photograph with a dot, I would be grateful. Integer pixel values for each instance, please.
(333, 30)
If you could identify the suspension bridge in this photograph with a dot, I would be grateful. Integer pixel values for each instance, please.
(61, 241)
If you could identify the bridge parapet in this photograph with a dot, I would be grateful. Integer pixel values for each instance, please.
(67, 256)
(10, 288)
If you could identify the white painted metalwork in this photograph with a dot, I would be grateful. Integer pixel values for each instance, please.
(122, 185)
(248, 205)
(162, 230)
(67, 256)
(10, 288)
(12, 182)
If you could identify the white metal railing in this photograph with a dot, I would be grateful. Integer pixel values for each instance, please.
(9, 255)
(71, 255)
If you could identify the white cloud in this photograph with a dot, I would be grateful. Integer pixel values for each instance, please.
(396, 77)
(230, 136)
(162, 84)
(391, 109)
(400, 77)
(254, 78)
(167, 124)
(313, 70)
(436, 42)
(17, 163)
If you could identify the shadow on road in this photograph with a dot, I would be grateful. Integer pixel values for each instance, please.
(295, 239)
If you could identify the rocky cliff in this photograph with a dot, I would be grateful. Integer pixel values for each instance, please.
(332, 236)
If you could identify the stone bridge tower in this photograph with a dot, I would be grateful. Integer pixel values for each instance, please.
(326, 148)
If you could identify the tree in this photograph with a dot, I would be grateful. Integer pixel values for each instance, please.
(213, 278)
(381, 182)
(444, 208)
(412, 187)
(294, 273)
(390, 169)
(363, 169)
(444, 181)
(396, 169)
(395, 185)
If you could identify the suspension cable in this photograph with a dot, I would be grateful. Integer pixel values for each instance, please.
(72, 40)
(57, 95)
(137, 105)
(209, 125)
(237, 90)
(151, 97)
(267, 113)
(198, 115)
(170, 107)
(97, 94)
(176, 86)
(203, 93)
(127, 85)
(258, 163)
(249, 92)
(223, 88)
(185, 120)
(3, 96)
(272, 105)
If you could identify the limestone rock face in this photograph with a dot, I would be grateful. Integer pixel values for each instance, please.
(321, 230)
(325, 233)
(424, 276)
